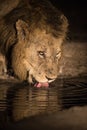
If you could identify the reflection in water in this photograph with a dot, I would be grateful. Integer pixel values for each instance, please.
(30, 101)
(19, 100)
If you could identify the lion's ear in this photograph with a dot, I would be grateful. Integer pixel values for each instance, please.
(22, 30)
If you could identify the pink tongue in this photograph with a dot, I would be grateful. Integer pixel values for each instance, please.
(38, 85)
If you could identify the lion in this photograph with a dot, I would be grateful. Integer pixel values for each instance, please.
(31, 37)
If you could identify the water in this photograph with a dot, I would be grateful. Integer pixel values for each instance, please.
(21, 100)
(25, 101)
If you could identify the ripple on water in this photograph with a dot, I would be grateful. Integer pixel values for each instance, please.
(20, 100)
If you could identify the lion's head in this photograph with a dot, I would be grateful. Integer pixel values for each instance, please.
(36, 55)
(31, 37)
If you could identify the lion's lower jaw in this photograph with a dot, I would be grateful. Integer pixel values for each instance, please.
(43, 84)
(39, 83)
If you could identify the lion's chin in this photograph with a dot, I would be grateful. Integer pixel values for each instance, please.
(39, 84)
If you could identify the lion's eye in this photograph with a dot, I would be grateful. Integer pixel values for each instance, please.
(41, 54)
(58, 55)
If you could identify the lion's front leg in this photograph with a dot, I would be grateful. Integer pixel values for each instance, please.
(4, 73)
(3, 68)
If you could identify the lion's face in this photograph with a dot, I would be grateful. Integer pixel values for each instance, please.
(42, 57)
(36, 55)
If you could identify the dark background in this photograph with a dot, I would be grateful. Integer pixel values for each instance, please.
(76, 12)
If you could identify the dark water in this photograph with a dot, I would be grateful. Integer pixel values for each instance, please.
(21, 100)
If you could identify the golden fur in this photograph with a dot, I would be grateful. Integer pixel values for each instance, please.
(30, 39)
